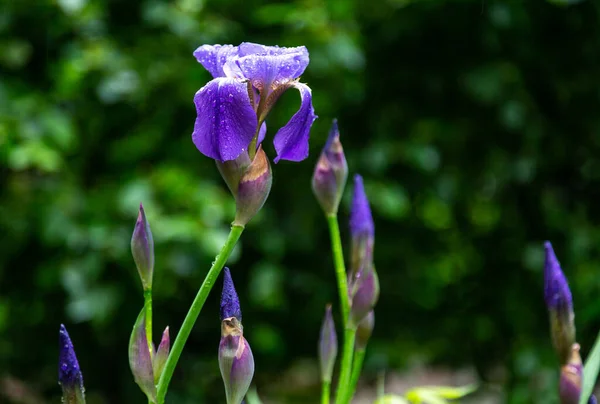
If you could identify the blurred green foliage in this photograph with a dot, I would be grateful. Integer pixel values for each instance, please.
(474, 123)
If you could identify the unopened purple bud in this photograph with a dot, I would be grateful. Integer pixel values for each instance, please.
(230, 303)
(142, 249)
(362, 230)
(365, 296)
(69, 374)
(331, 172)
(233, 170)
(140, 359)
(364, 331)
(235, 361)
(328, 346)
(361, 220)
(253, 189)
(162, 353)
(556, 289)
(560, 306)
(571, 378)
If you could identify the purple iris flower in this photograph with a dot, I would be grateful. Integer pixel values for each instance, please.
(248, 80)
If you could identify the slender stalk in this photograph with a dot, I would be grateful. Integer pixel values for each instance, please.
(194, 311)
(346, 367)
(340, 268)
(325, 392)
(148, 309)
(357, 363)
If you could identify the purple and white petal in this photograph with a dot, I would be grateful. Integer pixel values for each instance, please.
(269, 67)
(291, 141)
(214, 57)
(226, 121)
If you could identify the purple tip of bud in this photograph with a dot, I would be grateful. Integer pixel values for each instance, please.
(333, 133)
(592, 400)
(230, 303)
(328, 345)
(361, 220)
(142, 249)
(571, 376)
(69, 374)
(162, 354)
(556, 289)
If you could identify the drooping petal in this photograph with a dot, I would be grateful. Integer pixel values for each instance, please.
(214, 57)
(226, 122)
(291, 141)
(269, 66)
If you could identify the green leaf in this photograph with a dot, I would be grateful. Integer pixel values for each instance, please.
(590, 372)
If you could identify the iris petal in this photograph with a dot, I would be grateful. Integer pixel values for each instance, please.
(214, 57)
(291, 141)
(268, 67)
(226, 121)
(261, 133)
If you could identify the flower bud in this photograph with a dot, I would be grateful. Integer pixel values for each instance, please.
(162, 353)
(230, 303)
(571, 378)
(365, 296)
(140, 359)
(235, 356)
(362, 229)
(560, 306)
(69, 374)
(364, 331)
(331, 172)
(328, 346)
(142, 249)
(253, 188)
(232, 171)
(235, 360)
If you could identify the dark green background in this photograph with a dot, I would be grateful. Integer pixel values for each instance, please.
(475, 124)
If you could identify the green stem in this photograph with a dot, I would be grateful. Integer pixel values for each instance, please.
(148, 309)
(194, 311)
(340, 268)
(357, 363)
(346, 367)
(325, 392)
